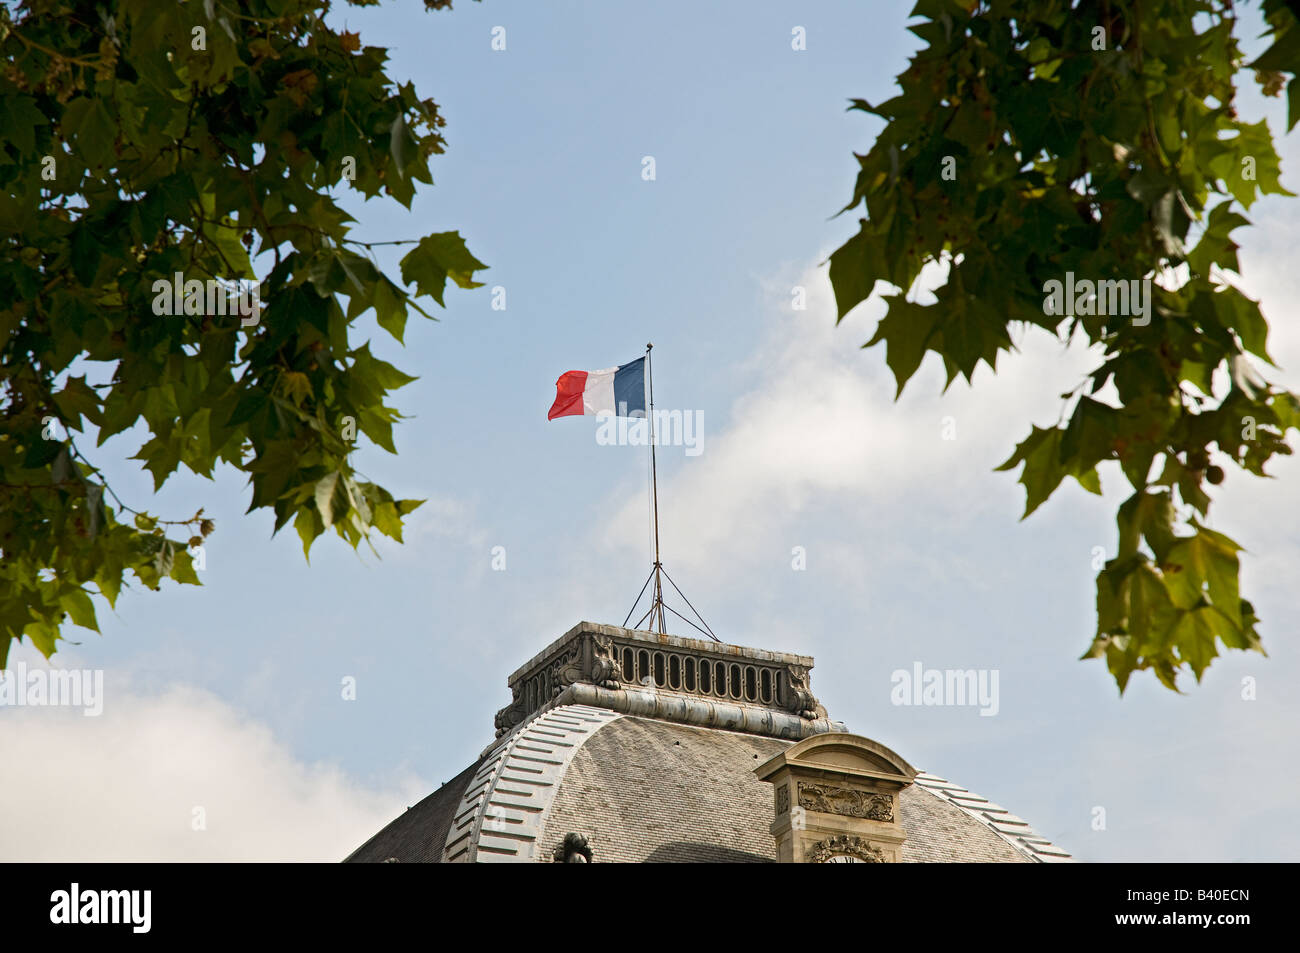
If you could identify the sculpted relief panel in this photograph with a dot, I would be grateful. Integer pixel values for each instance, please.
(849, 802)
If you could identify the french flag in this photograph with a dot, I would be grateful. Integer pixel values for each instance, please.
(616, 391)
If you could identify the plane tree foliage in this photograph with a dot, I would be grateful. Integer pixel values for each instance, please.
(202, 141)
(1056, 140)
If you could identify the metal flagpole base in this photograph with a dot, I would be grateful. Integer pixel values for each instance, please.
(655, 613)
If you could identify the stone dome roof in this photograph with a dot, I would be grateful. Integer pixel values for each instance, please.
(661, 781)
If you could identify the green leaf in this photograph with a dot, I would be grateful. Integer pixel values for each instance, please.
(43, 636)
(86, 252)
(1287, 409)
(1196, 636)
(390, 308)
(92, 130)
(906, 328)
(367, 366)
(962, 335)
(856, 266)
(1146, 515)
(183, 568)
(309, 526)
(1254, 142)
(1090, 480)
(1284, 54)
(76, 401)
(1248, 321)
(1215, 246)
(378, 428)
(1043, 472)
(1135, 621)
(297, 386)
(110, 585)
(1150, 611)
(1089, 435)
(387, 521)
(21, 117)
(1201, 569)
(79, 608)
(437, 258)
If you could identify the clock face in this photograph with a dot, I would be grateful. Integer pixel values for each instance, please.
(844, 859)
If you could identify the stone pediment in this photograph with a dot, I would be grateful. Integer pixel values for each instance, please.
(844, 755)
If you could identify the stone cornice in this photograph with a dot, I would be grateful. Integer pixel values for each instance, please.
(702, 712)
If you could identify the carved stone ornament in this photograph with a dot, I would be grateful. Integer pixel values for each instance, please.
(574, 850)
(604, 662)
(848, 802)
(565, 670)
(801, 698)
(782, 799)
(844, 849)
(510, 716)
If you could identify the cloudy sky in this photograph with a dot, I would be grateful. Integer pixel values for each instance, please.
(225, 702)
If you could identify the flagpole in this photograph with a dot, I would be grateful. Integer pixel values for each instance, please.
(658, 603)
(658, 574)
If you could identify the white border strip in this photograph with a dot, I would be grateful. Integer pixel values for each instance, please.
(504, 808)
(1002, 822)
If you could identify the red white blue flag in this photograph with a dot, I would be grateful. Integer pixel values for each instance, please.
(614, 391)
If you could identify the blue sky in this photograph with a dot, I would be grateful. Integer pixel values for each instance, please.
(228, 697)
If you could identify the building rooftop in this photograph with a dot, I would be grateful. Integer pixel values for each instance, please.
(619, 737)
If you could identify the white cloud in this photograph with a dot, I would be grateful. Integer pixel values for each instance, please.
(821, 428)
(125, 786)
